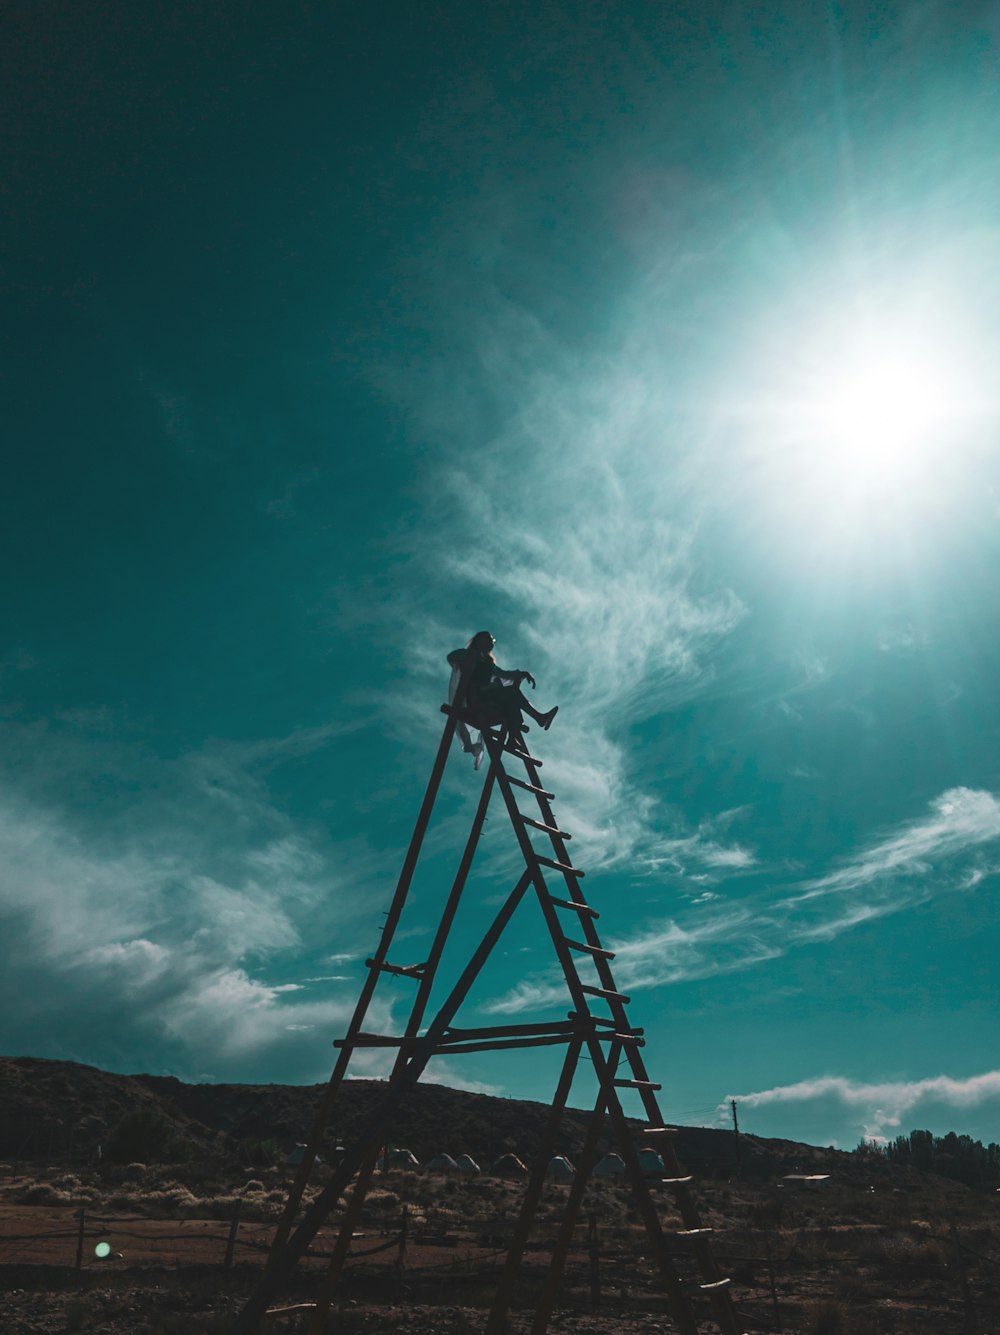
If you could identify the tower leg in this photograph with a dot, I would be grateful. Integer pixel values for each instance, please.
(564, 1241)
(505, 1289)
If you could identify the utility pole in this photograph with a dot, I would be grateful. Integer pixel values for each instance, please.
(736, 1134)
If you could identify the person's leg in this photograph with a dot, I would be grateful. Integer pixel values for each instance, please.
(544, 719)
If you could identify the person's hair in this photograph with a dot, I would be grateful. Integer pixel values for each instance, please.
(481, 635)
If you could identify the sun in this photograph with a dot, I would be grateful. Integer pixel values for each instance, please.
(867, 410)
(880, 414)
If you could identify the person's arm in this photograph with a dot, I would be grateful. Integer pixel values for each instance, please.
(517, 673)
(456, 658)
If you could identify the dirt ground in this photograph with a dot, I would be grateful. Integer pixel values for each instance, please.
(847, 1262)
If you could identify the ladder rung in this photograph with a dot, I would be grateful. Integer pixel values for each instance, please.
(606, 993)
(656, 1131)
(559, 866)
(546, 829)
(693, 1232)
(584, 909)
(597, 951)
(636, 1084)
(715, 1285)
(401, 970)
(530, 788)
(672, 1181)
(523, 755)
(595, 1019)
(372, 1041)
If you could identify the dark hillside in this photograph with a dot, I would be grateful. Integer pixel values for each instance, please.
(54, 1111)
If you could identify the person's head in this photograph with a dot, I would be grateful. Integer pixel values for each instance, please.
(482, 643)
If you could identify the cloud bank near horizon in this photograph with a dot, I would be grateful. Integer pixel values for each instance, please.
(878, 1108)
(162, 926)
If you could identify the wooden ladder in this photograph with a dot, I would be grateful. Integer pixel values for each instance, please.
(612, 1044)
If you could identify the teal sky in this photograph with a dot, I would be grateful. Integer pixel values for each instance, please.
(662, 342)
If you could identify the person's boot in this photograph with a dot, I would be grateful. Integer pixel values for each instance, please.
(545, 720)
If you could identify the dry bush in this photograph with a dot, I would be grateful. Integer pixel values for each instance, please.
(43, 1193)
(255, 1207)
(903, 1253)
(252, 1186)
(174, 1202)
(382, 1202)
(66, 1182)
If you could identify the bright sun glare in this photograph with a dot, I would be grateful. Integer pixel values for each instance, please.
(875, 411)
(884, 412)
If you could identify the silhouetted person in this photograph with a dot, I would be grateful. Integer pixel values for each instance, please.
(492, 691)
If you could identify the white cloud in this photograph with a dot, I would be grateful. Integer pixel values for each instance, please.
(711, 936)
(227, 1015)
(961, 819)
(878, 1108)
(143, 928)
(721, 942)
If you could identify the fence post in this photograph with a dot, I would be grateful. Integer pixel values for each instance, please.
(595, 1260)
(79, 1239)
(231, 1240)
(403, 1228)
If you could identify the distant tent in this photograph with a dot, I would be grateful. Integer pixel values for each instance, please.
(509, 1165)
(295, 1156)
(441, 1163)
(401, 1159)
(610, 1166)
(466, 1164)
(650, 1161)
(560, 1169)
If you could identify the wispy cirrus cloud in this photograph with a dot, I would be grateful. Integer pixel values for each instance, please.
(878, 1108)
(942, 852)
(960, 820)
(562, 519)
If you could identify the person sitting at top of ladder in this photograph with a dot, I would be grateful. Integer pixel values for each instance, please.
(491, 691)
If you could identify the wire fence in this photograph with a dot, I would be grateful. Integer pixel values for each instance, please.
(90, 1231)
(609, 1261)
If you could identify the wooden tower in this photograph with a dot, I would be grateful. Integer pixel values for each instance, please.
(597, 1026)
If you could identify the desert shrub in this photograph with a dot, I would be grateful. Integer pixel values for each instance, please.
(44, 1193)
(252, 1187)
(382, 1202)
(898, 1251)
(134, 1170)
(199, 1174)
(253, 1207)
(66, 1181)
(175, 1201)
(122, 1200)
